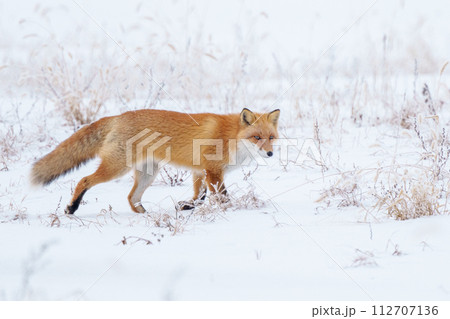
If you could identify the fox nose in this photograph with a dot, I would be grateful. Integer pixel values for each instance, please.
(269, 153)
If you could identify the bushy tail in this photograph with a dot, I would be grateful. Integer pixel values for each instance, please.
(70, 154)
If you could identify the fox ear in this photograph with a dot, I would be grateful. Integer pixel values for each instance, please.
(247, 117)
(273, 117)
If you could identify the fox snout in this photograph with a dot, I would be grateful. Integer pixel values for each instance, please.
(265, 149)
(265, 154)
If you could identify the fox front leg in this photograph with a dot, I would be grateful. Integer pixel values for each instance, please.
(199, 193)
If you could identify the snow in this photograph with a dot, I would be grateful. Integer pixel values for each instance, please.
(294, 247)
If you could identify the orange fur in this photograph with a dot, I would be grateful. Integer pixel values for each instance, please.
(107, 138)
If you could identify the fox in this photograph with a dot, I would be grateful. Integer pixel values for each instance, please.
(145, 140)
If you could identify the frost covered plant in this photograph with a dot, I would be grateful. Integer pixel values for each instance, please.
(173, 176)
(423, 190)
(403, 190)
(345, 191)
(78, 90)
(364, 259)
(237, 200)
(9, 147)
(249, 200)
(413, 201)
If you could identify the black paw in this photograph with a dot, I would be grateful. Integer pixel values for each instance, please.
(185, 205)
(69, 210)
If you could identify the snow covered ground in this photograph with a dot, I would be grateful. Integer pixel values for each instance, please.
(375, 103)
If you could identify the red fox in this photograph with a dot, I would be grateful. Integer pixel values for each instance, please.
(143, 140)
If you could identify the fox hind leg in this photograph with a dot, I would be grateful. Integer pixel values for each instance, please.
(104, 173)
(142, 180)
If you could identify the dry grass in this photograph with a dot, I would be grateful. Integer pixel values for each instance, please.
(78, 89)
(421, 190)
(403, 190)
(131, 240)
(405, 185)
(364, 259)
(168, 220)
(237, 199)
(412, 201)
(173, 176)
(344, 193)
(9, 151)
(215, 207)
(13, 141)
(17, 212)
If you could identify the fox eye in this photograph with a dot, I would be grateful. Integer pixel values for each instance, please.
(271, 137)
(257, 137)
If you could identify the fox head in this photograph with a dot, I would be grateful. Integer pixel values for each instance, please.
(260, 130)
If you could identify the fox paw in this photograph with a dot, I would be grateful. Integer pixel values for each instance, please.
(189, 204)
(185, 205)
(138, 208)
(69, 210)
